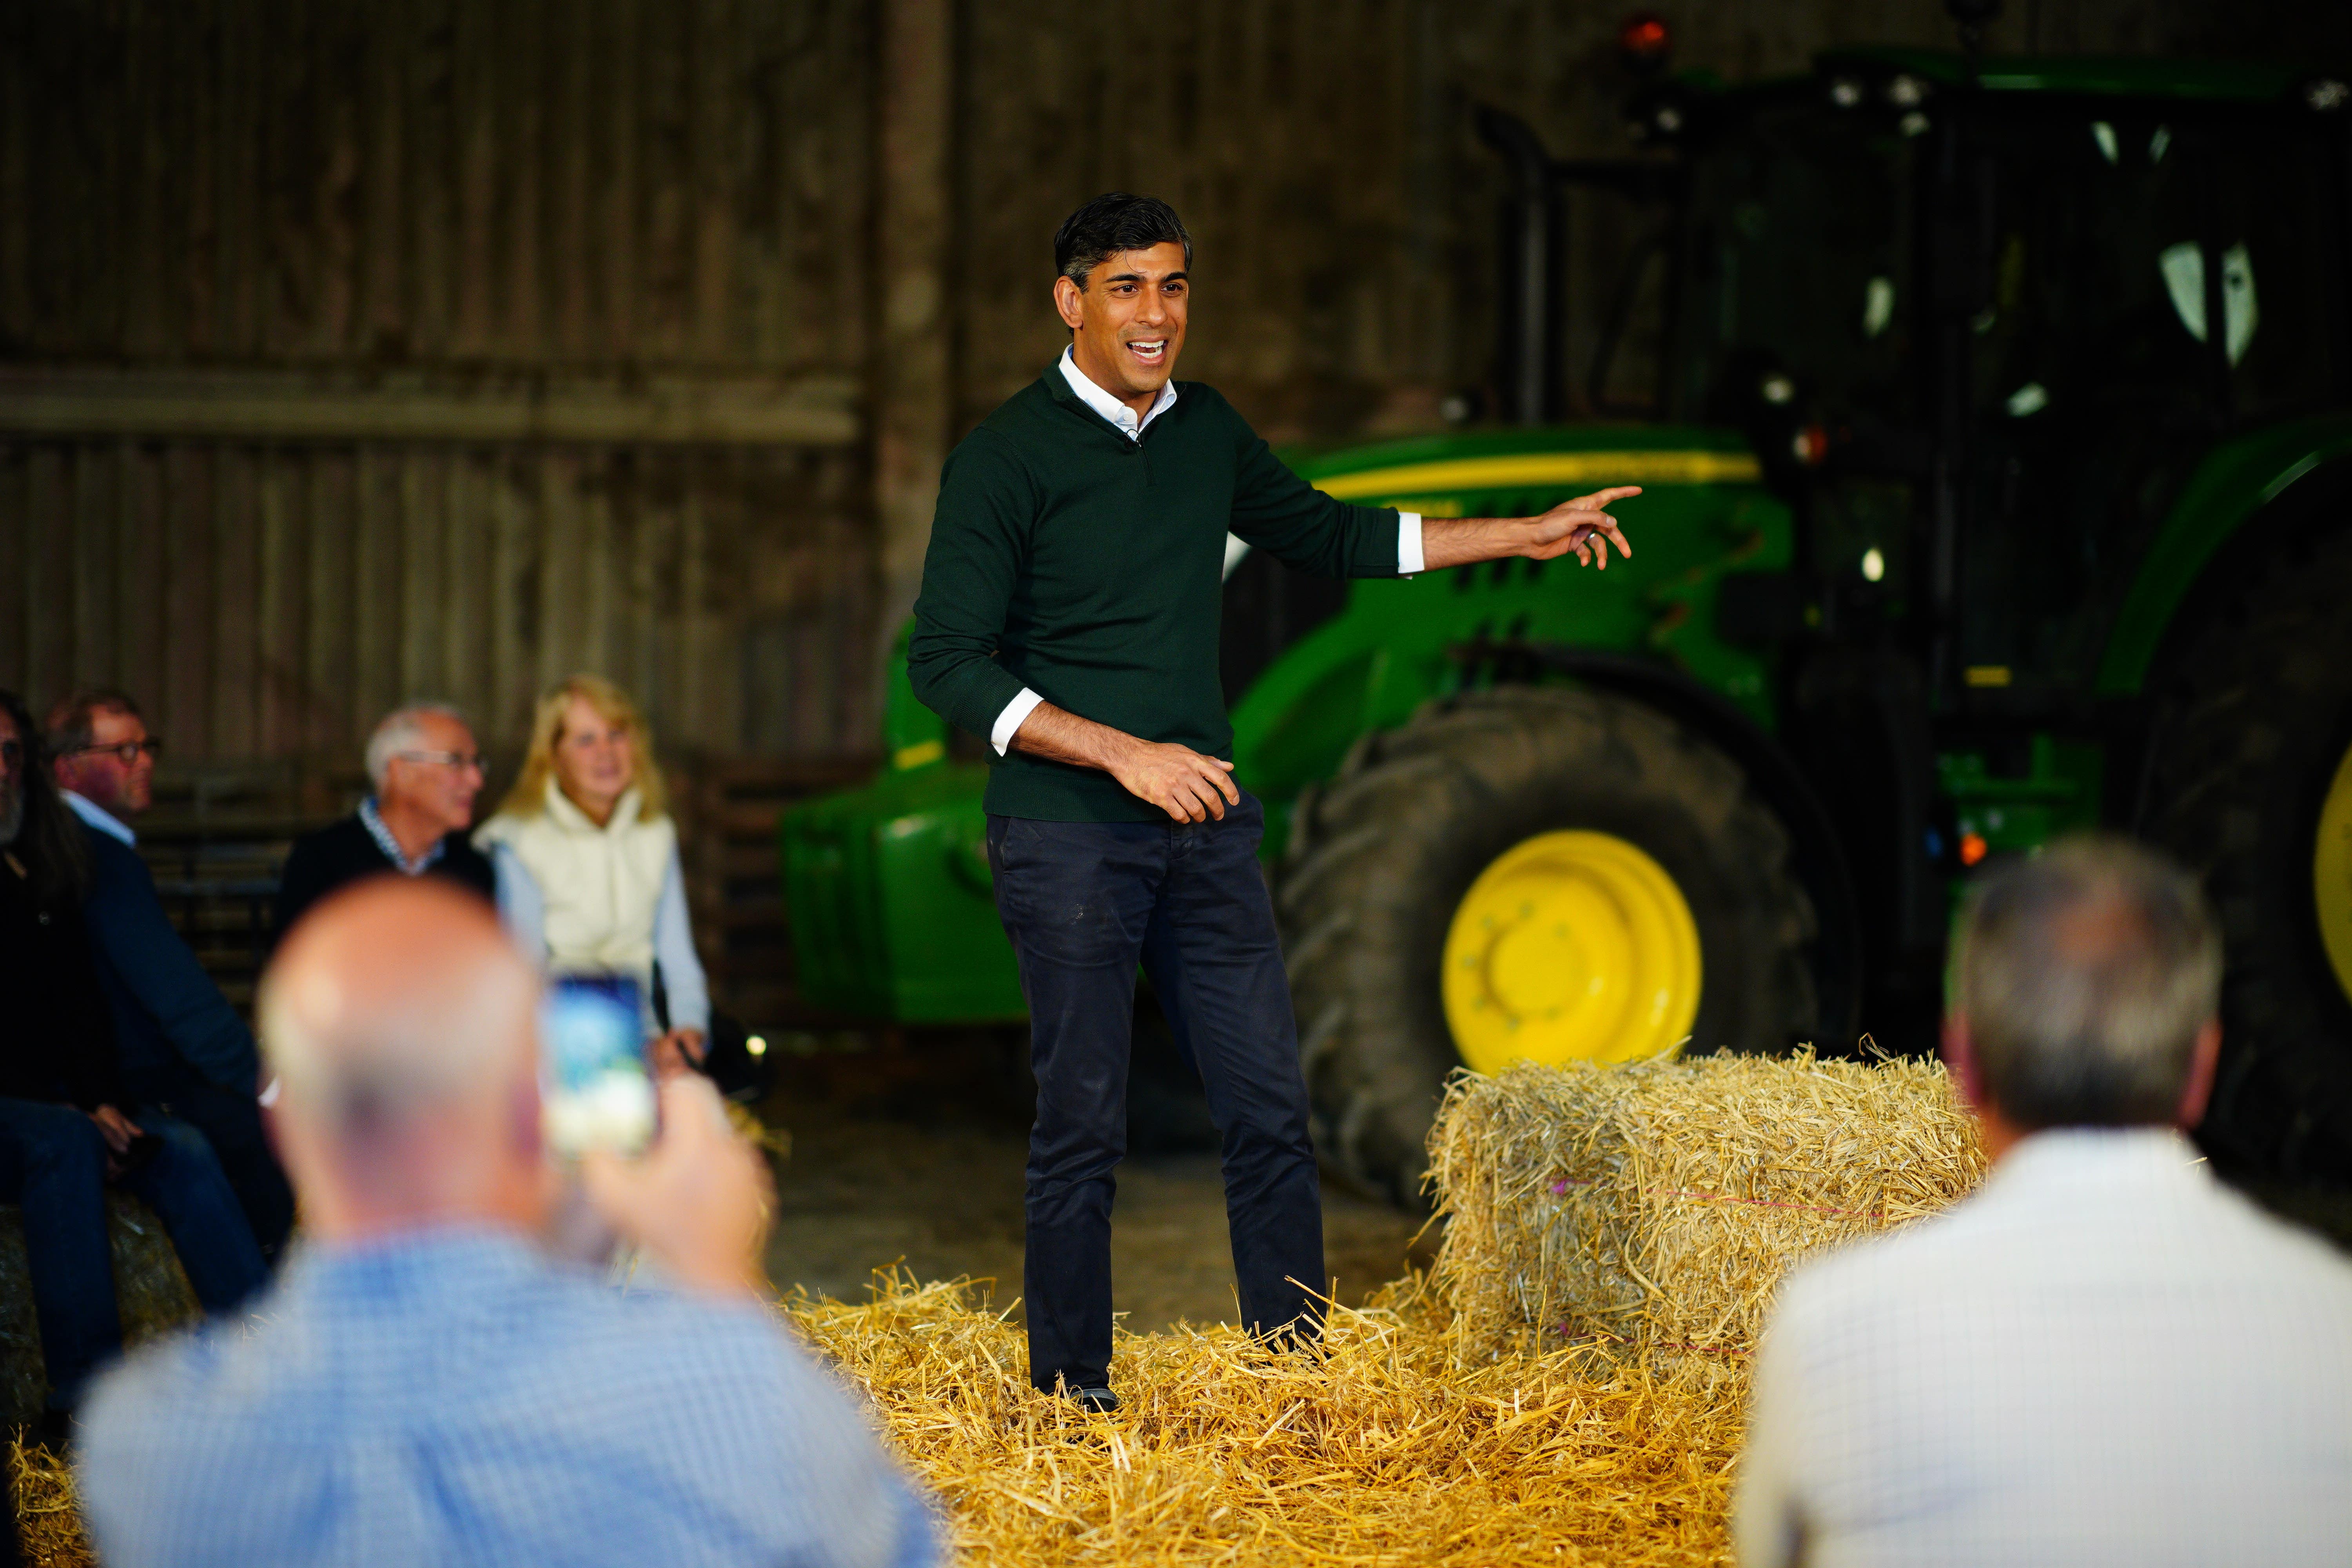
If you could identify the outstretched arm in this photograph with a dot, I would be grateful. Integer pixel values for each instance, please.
(1580, 524)
(1189, 785)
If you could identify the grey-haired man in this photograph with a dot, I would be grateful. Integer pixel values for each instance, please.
(427, 771)
(2103, 1356)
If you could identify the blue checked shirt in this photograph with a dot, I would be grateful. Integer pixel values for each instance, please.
(453, 1398)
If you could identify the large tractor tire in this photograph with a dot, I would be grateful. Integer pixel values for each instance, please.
(1544, 872)
(2249, 783)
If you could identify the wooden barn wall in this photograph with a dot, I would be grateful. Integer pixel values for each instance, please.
(272, 601)
(341, 254)
(354, 350)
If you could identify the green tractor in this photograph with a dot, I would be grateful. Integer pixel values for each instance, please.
(1999, 482)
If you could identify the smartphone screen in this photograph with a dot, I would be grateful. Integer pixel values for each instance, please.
(594, 1091)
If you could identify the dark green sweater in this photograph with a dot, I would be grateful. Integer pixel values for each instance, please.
(1088, 567)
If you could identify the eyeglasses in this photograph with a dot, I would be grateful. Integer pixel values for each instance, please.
(128, 752)
(461, 760)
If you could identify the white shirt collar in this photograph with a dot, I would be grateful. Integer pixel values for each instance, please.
(1110, 407)
(371, 818)
(97, 816)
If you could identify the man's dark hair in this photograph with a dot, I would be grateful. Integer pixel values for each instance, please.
(1113, 223)
(48, 841)
(70, 725)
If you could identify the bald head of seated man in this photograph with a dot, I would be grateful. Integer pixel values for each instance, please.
(427, 1383)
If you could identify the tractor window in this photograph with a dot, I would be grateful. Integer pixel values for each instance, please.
(1794, 271)
(2154, 280)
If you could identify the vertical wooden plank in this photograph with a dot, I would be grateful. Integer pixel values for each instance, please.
(377, 576)
(910, 368)
(519, 86)
(285, 697)
(145, 171)
(382, 180)
(234, 731)
(48, 574)
(94, 506)
(467, 635)
(430, 160)
(338, 56)
(424, 497)
(139, 575)
(595, 641)
(618, 205)
(476, 156)
(515, 627)
(189, 566)
(564, 614)
(716, 92)
(15, 584)
(571, 116)
(16, 160)
(664, 282)
(330, 525)
(240, 248)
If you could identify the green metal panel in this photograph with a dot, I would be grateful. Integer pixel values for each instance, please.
(2234, 481)
(891, 909)
(888, 885)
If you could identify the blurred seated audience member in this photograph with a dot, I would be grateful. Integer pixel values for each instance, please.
(2102, 1356)
(182, 1047)
(65, 1131)
(426, 1384)
(588, 869)
(427, 773)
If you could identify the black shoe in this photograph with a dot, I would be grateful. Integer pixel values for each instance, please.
(1094, 1401)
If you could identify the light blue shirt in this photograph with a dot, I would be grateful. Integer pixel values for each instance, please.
(451, 1397)
(97, 816)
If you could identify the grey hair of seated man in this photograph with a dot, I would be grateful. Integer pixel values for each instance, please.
(402, 730)
(2085, 974)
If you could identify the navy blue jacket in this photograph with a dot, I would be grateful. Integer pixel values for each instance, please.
(165, 1006)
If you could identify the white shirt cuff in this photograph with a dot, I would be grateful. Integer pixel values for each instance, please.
(1409, 557)
(1018, 709)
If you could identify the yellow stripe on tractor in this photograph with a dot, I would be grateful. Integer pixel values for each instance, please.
(1542, 470)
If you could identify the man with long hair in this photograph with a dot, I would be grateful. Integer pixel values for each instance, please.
(67, 1126)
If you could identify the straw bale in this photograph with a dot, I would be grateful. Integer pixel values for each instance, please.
(150, 1290)
(1391, 1447)
(1654, 1207)
(49, 1530)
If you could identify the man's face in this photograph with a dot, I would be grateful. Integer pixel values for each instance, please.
(424, 780)
(97, 773)
(12, 762)
(1128, 323)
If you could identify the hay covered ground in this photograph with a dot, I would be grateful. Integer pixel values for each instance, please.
(1439, 1423)
(1390, 1447)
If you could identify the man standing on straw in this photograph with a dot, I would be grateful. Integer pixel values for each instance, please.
(1069, 613)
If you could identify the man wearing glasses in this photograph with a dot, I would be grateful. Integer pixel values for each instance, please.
(182, 1047)
(427, 773)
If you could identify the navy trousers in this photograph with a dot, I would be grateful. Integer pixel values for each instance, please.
(1084, 902)
(53, 1163)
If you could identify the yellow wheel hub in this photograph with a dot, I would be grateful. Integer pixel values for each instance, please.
(1570, 947)
(2331, 873)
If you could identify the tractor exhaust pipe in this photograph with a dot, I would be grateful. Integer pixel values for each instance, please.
(1529, 348)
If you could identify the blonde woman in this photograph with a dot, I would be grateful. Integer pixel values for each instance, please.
(588, 873)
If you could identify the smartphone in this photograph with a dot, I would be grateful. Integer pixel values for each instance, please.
(595, 1091)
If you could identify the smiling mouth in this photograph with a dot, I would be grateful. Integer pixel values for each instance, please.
(1151, 351)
